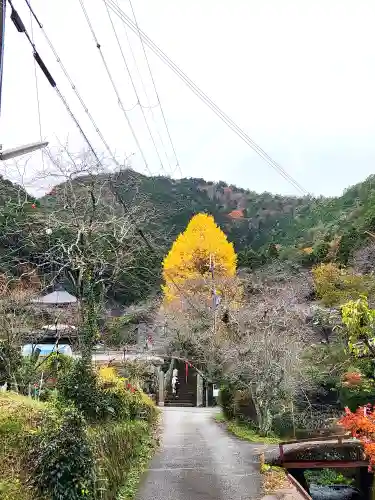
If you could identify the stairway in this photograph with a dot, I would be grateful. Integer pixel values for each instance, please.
(185, 399)
(187, 393)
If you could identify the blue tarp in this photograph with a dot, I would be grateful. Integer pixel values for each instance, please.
(46, 349)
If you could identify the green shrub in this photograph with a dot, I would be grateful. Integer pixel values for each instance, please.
(19, 419)
(49, 452)
(117, 447)
(353, 397)
(63, 463)
(327, 477)
(349, 242)
(127, 400)
(79, 385)
(103, 399)
(283, 425)
(320, 251)
(226, 401)
(141, 406)
(10, 360)
(56, 365)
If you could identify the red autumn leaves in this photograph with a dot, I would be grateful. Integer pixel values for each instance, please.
(361, 424)
(130, 387)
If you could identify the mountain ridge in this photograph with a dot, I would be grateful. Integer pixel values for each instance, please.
(252, 221)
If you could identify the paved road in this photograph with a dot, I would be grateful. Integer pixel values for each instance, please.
(198, 460)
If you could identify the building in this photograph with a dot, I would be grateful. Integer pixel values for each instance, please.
(57, 312)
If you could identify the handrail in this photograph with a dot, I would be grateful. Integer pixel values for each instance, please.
(338, 437)
(299, 488)
(347, 435)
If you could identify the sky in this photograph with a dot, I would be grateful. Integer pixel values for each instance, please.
(297, 75)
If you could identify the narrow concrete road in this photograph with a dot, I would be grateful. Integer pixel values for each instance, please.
(198, 460)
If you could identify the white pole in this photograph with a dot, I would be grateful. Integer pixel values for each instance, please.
(40, 385)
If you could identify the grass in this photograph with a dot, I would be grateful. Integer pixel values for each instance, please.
(245, 431)
(140, 461)
(19, 418)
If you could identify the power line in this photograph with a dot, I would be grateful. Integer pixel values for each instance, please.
(145, 90)
(98, 46)
(121, 201)
(150, 107)
(137, 67)
(37, 88)
(154, 85)
(18, 23)
(204, 98)
(134, 87)
(72, 84)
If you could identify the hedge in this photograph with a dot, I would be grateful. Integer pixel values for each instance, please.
(49, 452)
(20, 418)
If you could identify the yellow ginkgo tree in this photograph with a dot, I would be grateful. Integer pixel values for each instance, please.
(200, 249)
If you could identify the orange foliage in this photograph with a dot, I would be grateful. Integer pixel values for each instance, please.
(236, 214)
(308, 250)
(352, 378)
(361, 424)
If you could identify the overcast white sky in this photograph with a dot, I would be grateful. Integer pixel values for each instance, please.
(297, 75)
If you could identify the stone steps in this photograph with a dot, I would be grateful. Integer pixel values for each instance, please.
(176, 403)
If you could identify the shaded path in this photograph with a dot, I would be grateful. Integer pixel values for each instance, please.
(198, 460)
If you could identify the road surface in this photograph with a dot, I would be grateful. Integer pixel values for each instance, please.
(198, 460)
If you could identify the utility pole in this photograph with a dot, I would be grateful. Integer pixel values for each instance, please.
(214, 298)
(21, 150)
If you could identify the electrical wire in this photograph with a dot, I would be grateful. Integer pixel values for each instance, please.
(98, 46)
(121, 201)
(22, 29)
(137, 68)
(72, 84)
(37, 89)
(154, 85)
(203, 97)
(18, 23)
(134, 87)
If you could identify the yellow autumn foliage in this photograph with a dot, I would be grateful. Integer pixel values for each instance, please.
(188, 261)
(108, 374)
(335, 285)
